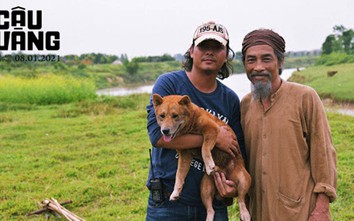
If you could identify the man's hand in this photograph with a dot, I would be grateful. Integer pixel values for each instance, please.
(321, 211)
(226, 188)
(227, 141)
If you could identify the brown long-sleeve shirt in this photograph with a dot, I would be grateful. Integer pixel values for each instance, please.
(290, 153)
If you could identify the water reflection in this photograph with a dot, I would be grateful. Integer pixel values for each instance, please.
(122, 91)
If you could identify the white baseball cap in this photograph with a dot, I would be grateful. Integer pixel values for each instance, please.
(211, 30)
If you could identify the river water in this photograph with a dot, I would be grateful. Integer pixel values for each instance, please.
(237, 82)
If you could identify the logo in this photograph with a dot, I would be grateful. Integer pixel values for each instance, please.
(211, 27)
(21, 30)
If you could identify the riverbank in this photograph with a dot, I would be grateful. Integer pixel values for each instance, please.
(337, 86)
(344, 108)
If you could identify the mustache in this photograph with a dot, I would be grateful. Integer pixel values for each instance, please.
(209, 58)
(261, 74)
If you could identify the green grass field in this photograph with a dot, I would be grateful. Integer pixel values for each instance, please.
(95, 152)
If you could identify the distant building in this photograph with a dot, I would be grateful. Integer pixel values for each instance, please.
(316, 52)
(116, 62)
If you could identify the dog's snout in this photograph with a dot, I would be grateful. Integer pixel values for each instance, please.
(166, 131)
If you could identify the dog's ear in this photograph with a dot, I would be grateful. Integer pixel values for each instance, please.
(156, 99)
(185, 100)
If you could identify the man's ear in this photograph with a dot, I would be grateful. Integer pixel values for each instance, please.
(280, 64)
(185, 100)
(156, 100)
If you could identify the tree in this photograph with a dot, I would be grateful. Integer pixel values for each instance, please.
(131, 67)
(339, 29)
(123, 58)
(328, 45)
(348, 41)
(341, 41)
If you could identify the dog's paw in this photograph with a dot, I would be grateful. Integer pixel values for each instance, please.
(245, 216)
(174, 196)
(244, 213)
(210, 170)
(210, 167)
(210, 216)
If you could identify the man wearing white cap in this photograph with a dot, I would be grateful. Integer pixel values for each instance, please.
(207, 59)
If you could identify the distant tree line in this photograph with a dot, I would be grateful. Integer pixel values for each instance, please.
(98, 58)
(92, 58)
(163, 58)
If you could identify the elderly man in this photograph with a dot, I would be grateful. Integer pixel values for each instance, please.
(290, 153)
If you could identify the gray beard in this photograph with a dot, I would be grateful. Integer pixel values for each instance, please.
(260, 90)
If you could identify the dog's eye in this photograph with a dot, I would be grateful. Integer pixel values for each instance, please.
(174, 116)
(162, 116)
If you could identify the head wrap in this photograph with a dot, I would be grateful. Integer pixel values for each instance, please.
(264, 36)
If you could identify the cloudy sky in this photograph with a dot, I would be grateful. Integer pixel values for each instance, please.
(155, 27)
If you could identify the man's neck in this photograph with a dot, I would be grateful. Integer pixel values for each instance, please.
(266, 102)
(204, 82)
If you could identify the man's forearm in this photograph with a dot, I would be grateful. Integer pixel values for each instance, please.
(321, 211)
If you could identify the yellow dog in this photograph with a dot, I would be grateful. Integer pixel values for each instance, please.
(177, 115)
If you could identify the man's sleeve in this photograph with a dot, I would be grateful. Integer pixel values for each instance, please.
(322, 153)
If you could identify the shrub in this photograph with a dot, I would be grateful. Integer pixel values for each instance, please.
(335, 58)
